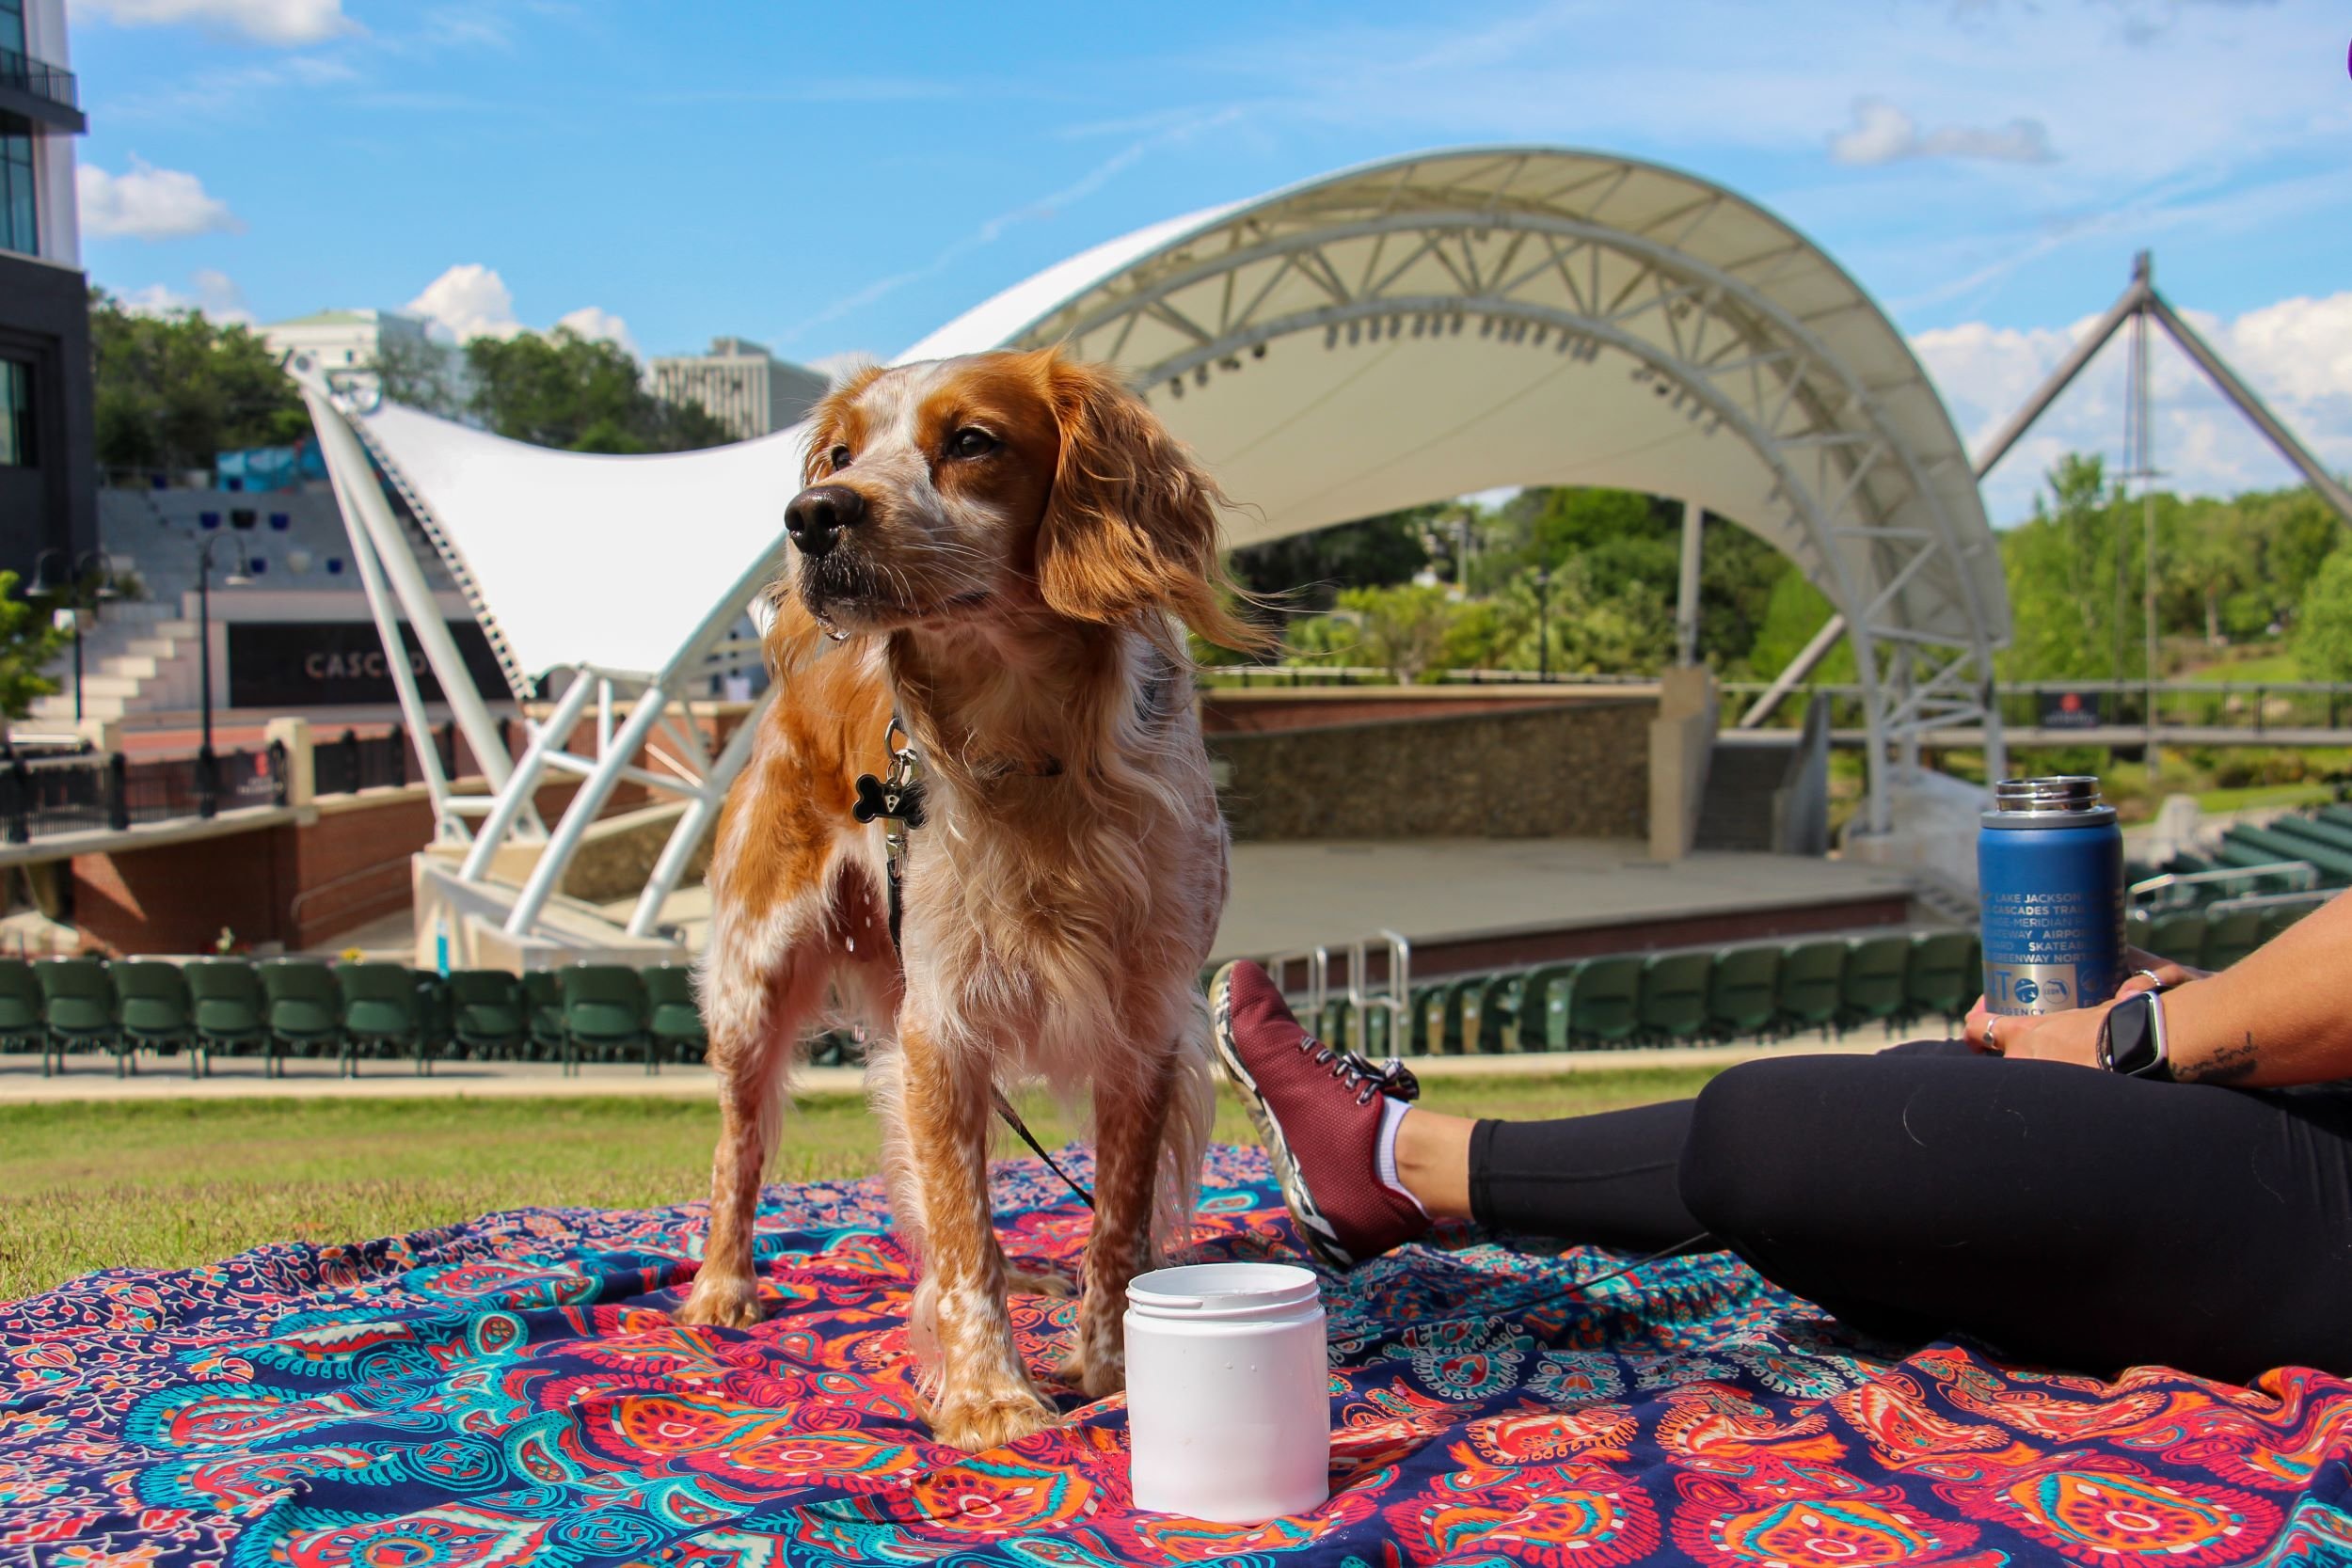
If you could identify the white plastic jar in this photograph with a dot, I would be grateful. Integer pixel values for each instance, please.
(1229, 1405)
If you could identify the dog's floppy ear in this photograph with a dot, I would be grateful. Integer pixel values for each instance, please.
(1132, 523)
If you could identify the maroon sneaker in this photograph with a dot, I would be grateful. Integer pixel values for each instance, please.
(1318, 1113)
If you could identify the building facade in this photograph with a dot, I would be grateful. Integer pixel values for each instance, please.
(741, 385)
(345, 340)
(48, 464)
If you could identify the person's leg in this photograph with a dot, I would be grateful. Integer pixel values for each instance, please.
(2055, 1213)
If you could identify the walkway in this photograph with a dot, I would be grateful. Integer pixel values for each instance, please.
(161, 1079)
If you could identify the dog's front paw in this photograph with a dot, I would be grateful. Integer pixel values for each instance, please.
(977, 1422)
(718, 1301)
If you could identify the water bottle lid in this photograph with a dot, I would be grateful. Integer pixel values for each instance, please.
(1222, 1291)
(2065, 792)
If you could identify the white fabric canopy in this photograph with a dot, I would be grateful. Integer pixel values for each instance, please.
(578, 559)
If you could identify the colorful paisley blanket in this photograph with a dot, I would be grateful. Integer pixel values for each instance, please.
(511, 1392)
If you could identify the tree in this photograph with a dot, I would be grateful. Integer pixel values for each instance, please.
(2323, 627)
(421, 373)
(582, 394)
(29, 639)
(1306, 571)
(1402, 630)
(174, 391)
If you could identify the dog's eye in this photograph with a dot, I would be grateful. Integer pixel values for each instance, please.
(839, 458)
(972, 441)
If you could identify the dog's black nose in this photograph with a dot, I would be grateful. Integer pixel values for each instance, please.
(819, 514)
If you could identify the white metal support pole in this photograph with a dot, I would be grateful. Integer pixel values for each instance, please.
(416, 595)
(583, 811)
(688, 834)
(514, 799)
(604, 716)
(387, 623)
(1687, 593)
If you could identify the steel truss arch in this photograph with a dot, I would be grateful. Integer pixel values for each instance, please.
(1735, 324)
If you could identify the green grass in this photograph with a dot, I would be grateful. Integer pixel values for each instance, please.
(2254, 797)
(164, 1184)
(2263, 667)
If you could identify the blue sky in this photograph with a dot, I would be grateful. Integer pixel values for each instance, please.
(846, 180)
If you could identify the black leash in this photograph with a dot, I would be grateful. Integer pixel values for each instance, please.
(896, 800)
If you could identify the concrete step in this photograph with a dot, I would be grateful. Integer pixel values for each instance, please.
(110, 686)
(132, 666)
(60, 707)
(154, 647)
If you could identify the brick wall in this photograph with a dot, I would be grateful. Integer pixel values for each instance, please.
(1572, 770)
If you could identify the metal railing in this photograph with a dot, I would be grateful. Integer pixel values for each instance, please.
(37, 77)
(2251, 706)
(97, 792)
(2300, 875)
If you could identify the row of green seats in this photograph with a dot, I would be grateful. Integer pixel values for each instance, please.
(283, 1007)
(1760, 990)
(2212, 938)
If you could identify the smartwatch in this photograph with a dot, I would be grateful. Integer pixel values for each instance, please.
(2131, 1038)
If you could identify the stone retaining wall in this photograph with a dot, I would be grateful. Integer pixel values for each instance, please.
(1574, 770)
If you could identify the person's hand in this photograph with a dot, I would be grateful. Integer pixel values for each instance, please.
(2167, 973)
(2071, 1036)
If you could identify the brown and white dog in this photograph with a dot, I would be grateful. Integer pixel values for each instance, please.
(1004, 550)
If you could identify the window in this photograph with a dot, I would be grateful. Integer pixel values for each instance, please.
(12, 27)
(19, 232)
(16, 415)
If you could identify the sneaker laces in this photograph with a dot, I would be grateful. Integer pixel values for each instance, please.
(1392, 1078)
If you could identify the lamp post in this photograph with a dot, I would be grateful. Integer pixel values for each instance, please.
(48, 582)
(207, 773)
(1543, 623)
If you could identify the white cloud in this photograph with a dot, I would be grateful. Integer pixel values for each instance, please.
(1882, 134)
(470, 301)
(279, 22)
(594, 322)
(2295, 354)
(149, 203)
(216, 293)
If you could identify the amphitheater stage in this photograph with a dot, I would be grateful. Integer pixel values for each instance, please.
(1472, 904)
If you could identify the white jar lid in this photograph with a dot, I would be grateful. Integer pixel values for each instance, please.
(1222, 1290)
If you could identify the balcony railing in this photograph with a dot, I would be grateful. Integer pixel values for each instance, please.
(37, 77)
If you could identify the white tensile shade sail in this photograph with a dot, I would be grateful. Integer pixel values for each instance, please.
(609, 562)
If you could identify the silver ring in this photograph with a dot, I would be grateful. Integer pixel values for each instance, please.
(2156, 981)
(1989, 1043)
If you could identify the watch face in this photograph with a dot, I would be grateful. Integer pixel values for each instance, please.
(2131, 1041)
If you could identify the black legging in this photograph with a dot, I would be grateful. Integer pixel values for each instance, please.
(2057, 1214)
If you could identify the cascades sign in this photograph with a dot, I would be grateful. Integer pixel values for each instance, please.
(308, 664)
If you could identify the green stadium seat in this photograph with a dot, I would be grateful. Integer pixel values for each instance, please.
(1741, 1002)
(1441, 1017)
(2282, 846)
(2229, 936)
(1333, 1024)
(227, 1010)
(152, 999)
(2327, 836)
(1872, 989)
(1545, 999)
(437, 1018)
(543, 1006)
(2178, 936)
(2278, 917)
(379, 1011)
(1942, 978)
(1604, 1007)
(1811, 990)
(1673, 995)
(305, 1008)
(21, 1009)
(487, 1016)
(1490, 1019)
(675, 1017)
(78, 1006)
(604, 1013)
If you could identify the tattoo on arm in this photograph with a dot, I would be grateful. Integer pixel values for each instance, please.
(2230, 1065)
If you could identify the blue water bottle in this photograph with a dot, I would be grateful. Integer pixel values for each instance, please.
(2050, 872)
